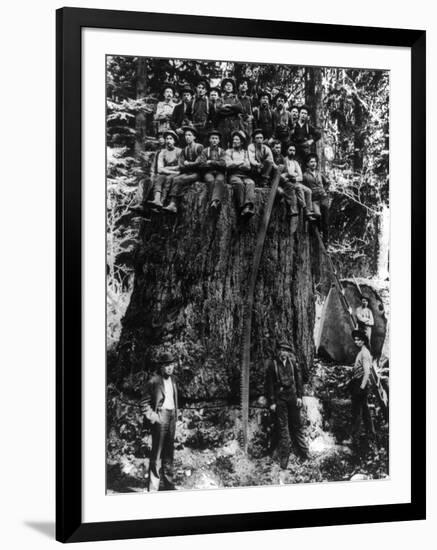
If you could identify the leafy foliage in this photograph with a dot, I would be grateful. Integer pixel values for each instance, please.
(351, 107)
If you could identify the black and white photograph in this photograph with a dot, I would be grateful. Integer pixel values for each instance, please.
(248, 289)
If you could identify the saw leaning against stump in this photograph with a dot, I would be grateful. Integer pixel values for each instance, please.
(247, 274)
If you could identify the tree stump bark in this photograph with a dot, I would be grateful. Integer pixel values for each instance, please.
(190, 288)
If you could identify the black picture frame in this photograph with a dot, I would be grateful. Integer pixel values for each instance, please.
(69, 524)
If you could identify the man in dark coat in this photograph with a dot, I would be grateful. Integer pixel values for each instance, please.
(263, 115)
(213, 165)
(181, 111)
(215, 104)
(284, 394)
(282, 122)
(359, 387)
(228, 115)
(319, 185)
(199, 111)
(246, 115)
(304, 135)
(159, 405)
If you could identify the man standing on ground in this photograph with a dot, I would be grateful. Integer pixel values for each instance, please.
(284, 394)
(159, 405)
(359, 387)
(365, 318)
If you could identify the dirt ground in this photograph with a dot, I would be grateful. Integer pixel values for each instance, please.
(208, 454)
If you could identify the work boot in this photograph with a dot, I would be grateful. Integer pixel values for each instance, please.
(308, 215)
(156, 203)
(247, 211)
(137, 209)
(171, 208)
(142, 218)
(214, 206)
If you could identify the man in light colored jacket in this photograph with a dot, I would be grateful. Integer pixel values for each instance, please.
(238, 168)
(260, 158)
(296, 194)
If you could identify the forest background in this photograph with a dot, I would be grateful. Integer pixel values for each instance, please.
(349, 106)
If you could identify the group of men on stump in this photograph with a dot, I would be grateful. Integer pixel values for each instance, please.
(284, 393)
(219, 136)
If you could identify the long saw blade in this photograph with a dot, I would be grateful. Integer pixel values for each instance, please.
(248, 310)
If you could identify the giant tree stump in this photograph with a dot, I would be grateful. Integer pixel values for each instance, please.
(190, 289)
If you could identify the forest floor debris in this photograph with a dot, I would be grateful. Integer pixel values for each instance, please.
(208, 454)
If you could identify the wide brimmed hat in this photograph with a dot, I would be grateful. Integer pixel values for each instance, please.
(226, 80)
(357, 333)
(186, 89)
(214, 133)
(165, 358)
(215, 89)
(240, 134)
(281, 94)
(283, 344)
(172, 134)
(189, 128)
(257, 131)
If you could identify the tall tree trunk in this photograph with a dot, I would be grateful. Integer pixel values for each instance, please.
(358, 135)
(383, 232)
(190, 291)
(140, 119)
(314, 100)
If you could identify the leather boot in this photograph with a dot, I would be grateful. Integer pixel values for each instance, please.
(214, 206)
(308, 215)
(171, 208)
(248, 211)
(156, 203)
